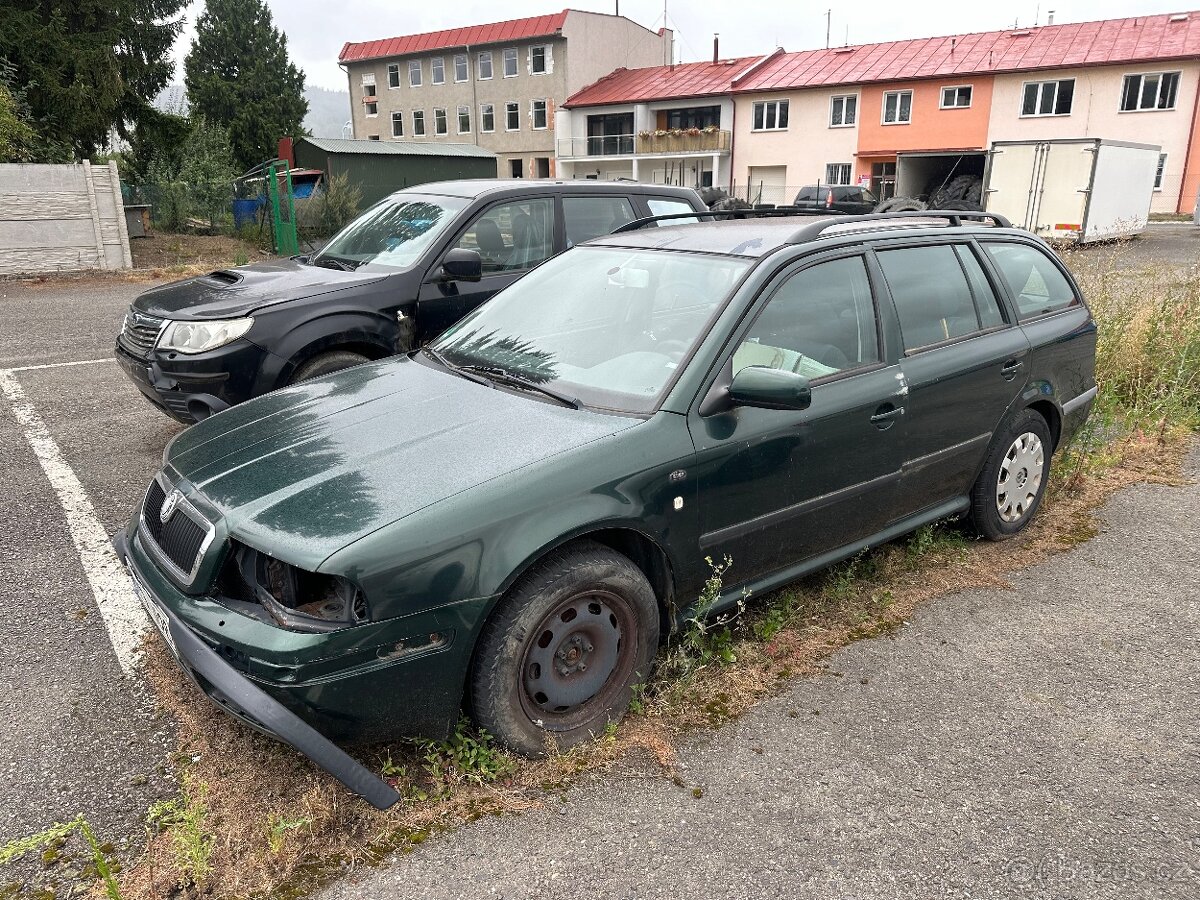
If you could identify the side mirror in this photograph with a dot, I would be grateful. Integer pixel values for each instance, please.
(462, 265)
(770, 389)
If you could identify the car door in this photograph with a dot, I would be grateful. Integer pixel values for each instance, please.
(778, 486)
(511, 236)
(964, 364)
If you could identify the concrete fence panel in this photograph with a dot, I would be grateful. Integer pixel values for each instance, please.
(56, 218)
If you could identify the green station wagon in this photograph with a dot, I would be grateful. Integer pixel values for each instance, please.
(508, 520)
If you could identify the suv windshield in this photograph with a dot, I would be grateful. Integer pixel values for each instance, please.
(608, 326)
(391, 234)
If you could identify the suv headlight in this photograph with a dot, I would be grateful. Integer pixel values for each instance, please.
(196, 337)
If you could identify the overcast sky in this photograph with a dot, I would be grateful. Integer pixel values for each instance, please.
(316, 29)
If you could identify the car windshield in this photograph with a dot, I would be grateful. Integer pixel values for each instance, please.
(607, 326)
(392, 234)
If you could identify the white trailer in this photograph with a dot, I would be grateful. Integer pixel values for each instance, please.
(1082, 190)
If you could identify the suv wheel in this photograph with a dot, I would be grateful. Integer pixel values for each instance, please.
(326, 363)
(1009, 489)
(561, 654)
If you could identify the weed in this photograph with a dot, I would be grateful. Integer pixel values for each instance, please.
(936, 540)
(52, 838)
(390, 769)
(707, 638)
(466, 755)
(184, 819)
(280, 826)
(240, 258)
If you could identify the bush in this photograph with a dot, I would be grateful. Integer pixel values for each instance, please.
(333, 208)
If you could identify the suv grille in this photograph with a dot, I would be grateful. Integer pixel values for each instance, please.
(181, 538)
(140, 332)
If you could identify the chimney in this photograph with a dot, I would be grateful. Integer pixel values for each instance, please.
(716, 47)
(285, 152)
(1050, 17)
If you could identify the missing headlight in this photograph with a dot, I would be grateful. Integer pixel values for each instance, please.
(300, 600)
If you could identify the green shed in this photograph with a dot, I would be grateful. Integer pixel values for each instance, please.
(381, 167)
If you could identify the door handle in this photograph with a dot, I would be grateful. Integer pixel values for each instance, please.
(886, 416)
(1010, 369)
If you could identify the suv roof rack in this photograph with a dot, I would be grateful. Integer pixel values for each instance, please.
(815, 229)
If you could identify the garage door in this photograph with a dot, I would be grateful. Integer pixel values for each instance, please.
(768, 184)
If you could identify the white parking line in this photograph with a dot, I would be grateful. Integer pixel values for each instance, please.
(80, 362)
(123, 615)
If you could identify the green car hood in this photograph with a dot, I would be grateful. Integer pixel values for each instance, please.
(307, 470)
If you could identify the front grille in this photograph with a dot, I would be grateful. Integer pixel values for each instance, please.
(181, 538)
(140, 332)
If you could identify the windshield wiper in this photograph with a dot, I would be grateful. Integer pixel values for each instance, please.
(334, 262)
(457, 370)
(512, 379)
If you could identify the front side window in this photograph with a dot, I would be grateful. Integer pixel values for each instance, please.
(819, 322)
(1153, 90)
(512, 116)
(512, 236)
(837, 173)
(897, 107)
(587, 217)
(1160, 171)
(956, 97)
(1048, 98)
(437, 70)
(485, 65)
(397, 124)
(771, 115)
(394, 75)
(510, 62)
(932, 297)
(487, 117)
(537, 110)
(418, 123)
(1034, 281)
(537, 60)
(843, 111)
(439, 121)
(460, 67)
(414, 73)
(393, 233)
(464, 120)
(608, 325)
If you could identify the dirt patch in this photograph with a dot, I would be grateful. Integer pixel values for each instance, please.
(166, 251)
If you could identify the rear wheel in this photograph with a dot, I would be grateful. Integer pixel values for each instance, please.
(561, 654)
(1009, 490)
(326, 363)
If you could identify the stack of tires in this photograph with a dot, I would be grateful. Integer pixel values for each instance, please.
(963, 193)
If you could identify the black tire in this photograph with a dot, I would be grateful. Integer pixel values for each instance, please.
(901, 204)
(998, 514)
(582, 605)
(326, 363)
(960, 206)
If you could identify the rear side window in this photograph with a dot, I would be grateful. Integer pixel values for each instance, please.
(589, 217)
(1034, 281)
(664, 206)
(986, 302)
(932, 297)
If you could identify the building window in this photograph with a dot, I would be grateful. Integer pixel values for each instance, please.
(771, 115)
(542, 165)
(897, 107)
(516, 168)
(512, 116)
(843, 111)
(537, 110)
(439, 121)
(485, 66)
(487, 117)
(414, 73)
(537, 60)
(837, 173)
(464, 120)
(461, 71)
(1154, 90)
(1048, 98)
(691, 117)
(956, 97)
(369, 100)
(437, 70)
(510, 62)
(418, 123)
(397, 124)
(394, 75)
(372, 137)
(1160, 171)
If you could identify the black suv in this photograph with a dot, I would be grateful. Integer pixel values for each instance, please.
(849, 199)
(396, 277)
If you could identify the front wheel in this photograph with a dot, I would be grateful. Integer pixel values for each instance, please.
(560, 656)
(326, 364)
(1010, 488)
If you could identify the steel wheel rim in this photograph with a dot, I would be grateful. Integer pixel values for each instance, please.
(577, 659)
(1020, 478)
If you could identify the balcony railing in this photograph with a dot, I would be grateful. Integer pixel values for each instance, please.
(646, 143)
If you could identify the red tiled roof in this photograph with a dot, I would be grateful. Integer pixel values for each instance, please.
(1140, 39)
(472, 35)
(700, 79)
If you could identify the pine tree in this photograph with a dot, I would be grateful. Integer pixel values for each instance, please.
(87, 67)
(238, 76)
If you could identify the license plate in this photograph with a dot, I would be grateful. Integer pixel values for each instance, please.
(157, 616)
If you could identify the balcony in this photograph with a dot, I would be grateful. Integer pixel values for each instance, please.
(675, 141)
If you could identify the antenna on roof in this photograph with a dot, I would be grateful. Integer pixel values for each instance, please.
(1050, 17)
(828, 23)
